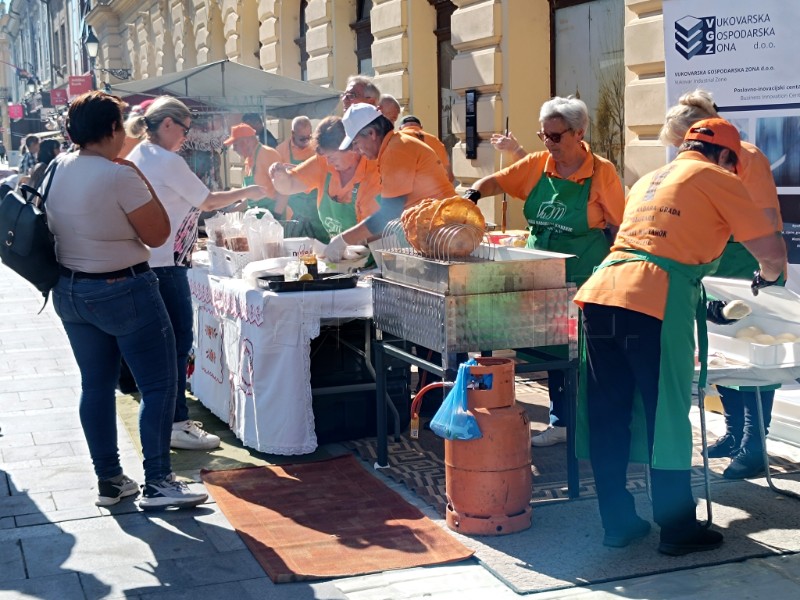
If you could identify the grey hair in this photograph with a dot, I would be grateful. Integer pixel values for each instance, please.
(301, 120)
(691, 108)
(139, 126)
(570, 109)
(371, 90)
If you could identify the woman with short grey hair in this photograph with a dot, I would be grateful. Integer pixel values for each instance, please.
(572, 197)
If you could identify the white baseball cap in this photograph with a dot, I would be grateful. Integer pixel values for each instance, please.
(355, 119)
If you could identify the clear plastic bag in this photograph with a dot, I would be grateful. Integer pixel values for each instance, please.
(452, 421)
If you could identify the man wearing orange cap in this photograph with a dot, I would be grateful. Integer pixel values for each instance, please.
(257, 160)
(639, 311)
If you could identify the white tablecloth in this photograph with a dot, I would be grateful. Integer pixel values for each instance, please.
(252, 356)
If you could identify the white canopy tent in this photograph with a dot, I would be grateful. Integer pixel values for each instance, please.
(230, 86)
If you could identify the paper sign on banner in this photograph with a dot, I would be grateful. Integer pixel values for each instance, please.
(79, 84)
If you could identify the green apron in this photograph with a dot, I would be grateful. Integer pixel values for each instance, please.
(266, 203)
(685, 306)
(304, 210)
(556, 211)
(335, 216)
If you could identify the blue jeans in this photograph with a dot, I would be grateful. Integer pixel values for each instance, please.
(105, 320)
(173, 283)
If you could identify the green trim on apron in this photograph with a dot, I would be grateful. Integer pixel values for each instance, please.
(266, 202)
(304, 209)
(685, 307)
(556, 211)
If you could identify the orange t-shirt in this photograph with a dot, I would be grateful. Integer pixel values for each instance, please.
(606, 197)
(299, 154)
(430, 140)
(313, 173)
(410, 168)
(685, 211)
(756, 175)
(264, 158)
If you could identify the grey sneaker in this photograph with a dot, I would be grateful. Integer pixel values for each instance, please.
(111, 491)
(550, 437)
(169, 493)
(189, 435)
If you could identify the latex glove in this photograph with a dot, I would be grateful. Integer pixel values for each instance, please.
(336, 248)
(759, 282)
(725, 313)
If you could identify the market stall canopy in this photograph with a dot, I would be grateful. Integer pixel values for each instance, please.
(230, 86)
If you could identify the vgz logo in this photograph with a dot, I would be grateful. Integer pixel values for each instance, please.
(695, 36)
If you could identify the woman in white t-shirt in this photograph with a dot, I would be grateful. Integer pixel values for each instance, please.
(163, 128)
(103, 215)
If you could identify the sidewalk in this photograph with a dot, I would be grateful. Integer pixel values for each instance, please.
(56, 544)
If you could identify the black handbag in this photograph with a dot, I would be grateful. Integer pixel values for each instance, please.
(26, 244)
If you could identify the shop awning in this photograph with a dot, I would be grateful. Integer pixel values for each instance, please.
(230, 86)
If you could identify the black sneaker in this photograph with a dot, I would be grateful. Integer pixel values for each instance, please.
(724, 447)
(619, 539)
(745, 464)
(169, 493)
(697, 540)
(111, 491)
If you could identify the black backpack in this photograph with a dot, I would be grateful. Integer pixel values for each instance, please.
(26, 244)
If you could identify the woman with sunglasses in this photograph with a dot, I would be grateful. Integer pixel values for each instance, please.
(163, 129)
(572, 197)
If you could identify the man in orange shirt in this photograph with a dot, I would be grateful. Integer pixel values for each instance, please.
(360, 89)
(409, 170)
(257, 160)
(294, 150)
(411, 125)
(639, 310)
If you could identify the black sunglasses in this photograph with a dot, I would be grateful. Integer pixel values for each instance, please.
(184, 127)
(553, 137)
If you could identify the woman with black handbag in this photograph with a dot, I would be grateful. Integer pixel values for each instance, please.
(103, 214)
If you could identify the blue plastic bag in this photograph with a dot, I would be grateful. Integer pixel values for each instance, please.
(452, 421)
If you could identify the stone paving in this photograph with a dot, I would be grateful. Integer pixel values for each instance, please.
(55, 544)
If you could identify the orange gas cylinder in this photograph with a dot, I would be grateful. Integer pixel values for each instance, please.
(488, 480)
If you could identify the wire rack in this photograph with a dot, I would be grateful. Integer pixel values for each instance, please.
(449, 243)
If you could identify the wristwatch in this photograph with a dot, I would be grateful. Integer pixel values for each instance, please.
(472, 194)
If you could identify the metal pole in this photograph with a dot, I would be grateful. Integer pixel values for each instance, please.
(94, 74)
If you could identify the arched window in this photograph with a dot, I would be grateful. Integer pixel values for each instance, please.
(300, 40)
(363, 31)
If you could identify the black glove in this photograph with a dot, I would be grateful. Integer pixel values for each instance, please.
(759, 282)
(472, 194)
(714, 312)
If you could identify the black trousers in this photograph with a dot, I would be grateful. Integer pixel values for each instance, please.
(624, 351)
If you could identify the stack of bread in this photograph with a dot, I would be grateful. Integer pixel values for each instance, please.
(448, 228)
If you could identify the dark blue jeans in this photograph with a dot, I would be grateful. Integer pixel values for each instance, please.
(624, 353)
(741, 416)
(106, 319)
(173, 283)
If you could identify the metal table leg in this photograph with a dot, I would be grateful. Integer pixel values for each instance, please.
(763, 434)
(380, 403)
(701, 396)
(571, 404)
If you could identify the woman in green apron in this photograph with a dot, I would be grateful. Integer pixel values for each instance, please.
(573, 204)
(742, 439)
(640, 308)
(344, 185)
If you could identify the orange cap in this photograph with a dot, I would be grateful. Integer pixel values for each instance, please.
(242, 130)
(716, 131)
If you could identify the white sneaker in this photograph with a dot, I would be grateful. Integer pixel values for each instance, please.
(550, 437)
(111, 491)
(189, 435)
(169, 492)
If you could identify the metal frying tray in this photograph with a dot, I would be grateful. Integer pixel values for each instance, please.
(490, 270)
